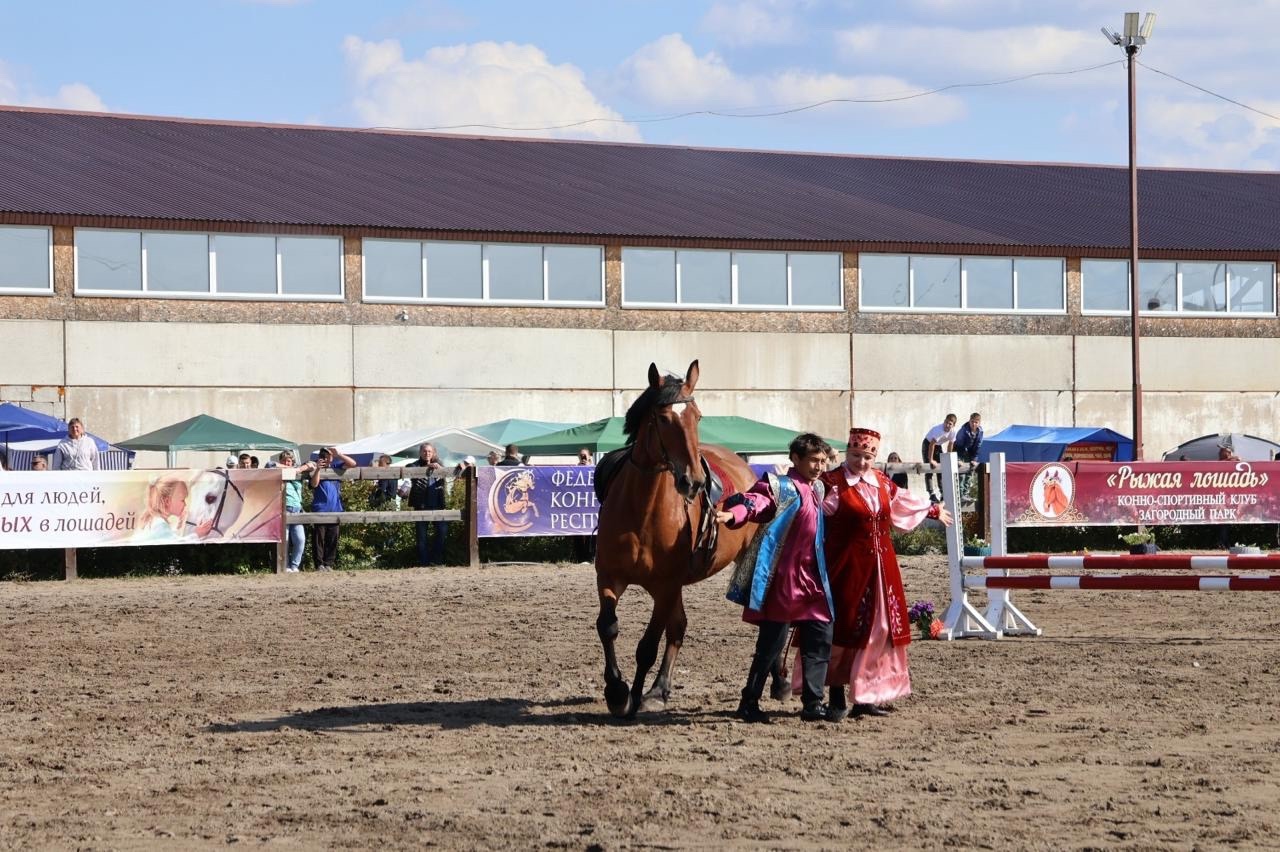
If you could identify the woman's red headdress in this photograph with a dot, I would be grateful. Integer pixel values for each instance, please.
(864, 439)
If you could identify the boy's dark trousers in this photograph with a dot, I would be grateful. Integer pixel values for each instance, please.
(814, 638)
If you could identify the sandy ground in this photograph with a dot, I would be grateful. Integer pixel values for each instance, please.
(461, 709)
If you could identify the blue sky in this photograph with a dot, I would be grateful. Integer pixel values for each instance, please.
(435, 63)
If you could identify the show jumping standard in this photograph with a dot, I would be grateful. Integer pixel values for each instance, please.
(657, 530)
(1002, 618)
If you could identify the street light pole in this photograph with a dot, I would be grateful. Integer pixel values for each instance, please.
(1131, 42)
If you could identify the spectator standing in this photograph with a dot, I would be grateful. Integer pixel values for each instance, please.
(297, 533)
(254, 462)
(40, 462)
(78, 451)
(426, 493)
(584, 546)
(386, 492)
(968, 444)
(327, 497)
(900, 478)
(1226, 452)
(246, 461)
(512, 458)
(493, 458)
(937, 441)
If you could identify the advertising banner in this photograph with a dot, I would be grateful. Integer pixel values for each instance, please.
(536, 500)
(113, 508)
(1131, 493)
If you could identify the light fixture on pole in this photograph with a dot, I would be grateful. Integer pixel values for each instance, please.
(1131, 42)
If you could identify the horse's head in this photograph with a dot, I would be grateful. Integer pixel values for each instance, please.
(663, 425)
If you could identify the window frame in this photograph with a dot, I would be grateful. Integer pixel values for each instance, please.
(47, 290)
(212, 293)
(423, 299)
(733, 304)
(963, 307)
(1180, 312)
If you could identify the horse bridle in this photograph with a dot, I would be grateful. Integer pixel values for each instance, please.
(662, 446)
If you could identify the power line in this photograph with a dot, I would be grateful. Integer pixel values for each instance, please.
(1210, 92)
(725, 113)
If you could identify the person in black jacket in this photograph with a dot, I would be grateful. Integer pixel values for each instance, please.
(967, 444)
(427, 492)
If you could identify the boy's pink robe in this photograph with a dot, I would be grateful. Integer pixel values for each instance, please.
(796, 592)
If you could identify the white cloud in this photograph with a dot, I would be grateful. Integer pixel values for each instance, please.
(996, 52)
(1203, 134)
(753, 22)
(669, 74)
(504, 85)
(69, 96)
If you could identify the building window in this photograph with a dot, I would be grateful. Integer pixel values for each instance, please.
(175, 263)
(980, 284)
(750, 280)
(109, 261)
(1194, 288)
(26, 260)
(160, 263)
(412, 271)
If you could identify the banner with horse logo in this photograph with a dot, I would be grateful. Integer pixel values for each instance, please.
(536, 500)
(61, 509)
(1157, 493)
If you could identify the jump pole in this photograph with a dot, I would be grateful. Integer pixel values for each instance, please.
(1130, 582)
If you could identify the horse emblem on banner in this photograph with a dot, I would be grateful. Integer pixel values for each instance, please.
(1053, 494)
(511, 504)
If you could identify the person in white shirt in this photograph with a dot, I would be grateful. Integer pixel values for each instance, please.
(937, 441)
(78, 452)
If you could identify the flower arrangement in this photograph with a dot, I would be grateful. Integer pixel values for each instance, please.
(976, 541)
(921, 614)
(1138, 537)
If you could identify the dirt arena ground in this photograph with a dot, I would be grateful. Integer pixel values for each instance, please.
(461, 709)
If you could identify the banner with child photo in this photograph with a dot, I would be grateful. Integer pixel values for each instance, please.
(61, 509)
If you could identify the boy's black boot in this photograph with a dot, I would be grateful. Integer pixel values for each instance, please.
(838, 707)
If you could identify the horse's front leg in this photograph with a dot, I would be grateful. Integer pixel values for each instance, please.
(656, 697)
(616, 691)
(647, 648)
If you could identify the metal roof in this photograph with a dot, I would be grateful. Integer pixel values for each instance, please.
(86, 164)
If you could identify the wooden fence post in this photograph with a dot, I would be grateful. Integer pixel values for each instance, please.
(469, 520)
(71, 563)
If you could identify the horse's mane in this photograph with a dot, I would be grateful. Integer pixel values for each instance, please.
(665, 394)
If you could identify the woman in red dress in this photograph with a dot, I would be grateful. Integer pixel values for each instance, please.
(872, 631)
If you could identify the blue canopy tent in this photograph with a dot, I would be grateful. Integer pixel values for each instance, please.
(25, 433)
(1049, 443)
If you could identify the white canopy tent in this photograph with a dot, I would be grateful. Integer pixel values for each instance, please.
(452, 443)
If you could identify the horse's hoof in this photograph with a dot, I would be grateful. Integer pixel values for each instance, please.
(618, 697)
(653, 704)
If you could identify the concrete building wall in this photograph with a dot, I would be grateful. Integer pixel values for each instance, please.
(330, 383)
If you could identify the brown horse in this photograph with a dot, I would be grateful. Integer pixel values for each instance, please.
(648, 533)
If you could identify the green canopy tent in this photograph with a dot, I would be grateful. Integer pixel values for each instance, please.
(204, 433)
(740, 434)
(516, 431)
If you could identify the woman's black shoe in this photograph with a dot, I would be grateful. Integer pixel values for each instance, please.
(869, 710)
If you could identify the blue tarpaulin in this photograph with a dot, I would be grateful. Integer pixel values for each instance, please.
(1048, 443)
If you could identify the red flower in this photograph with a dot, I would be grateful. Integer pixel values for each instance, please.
(936, 629)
